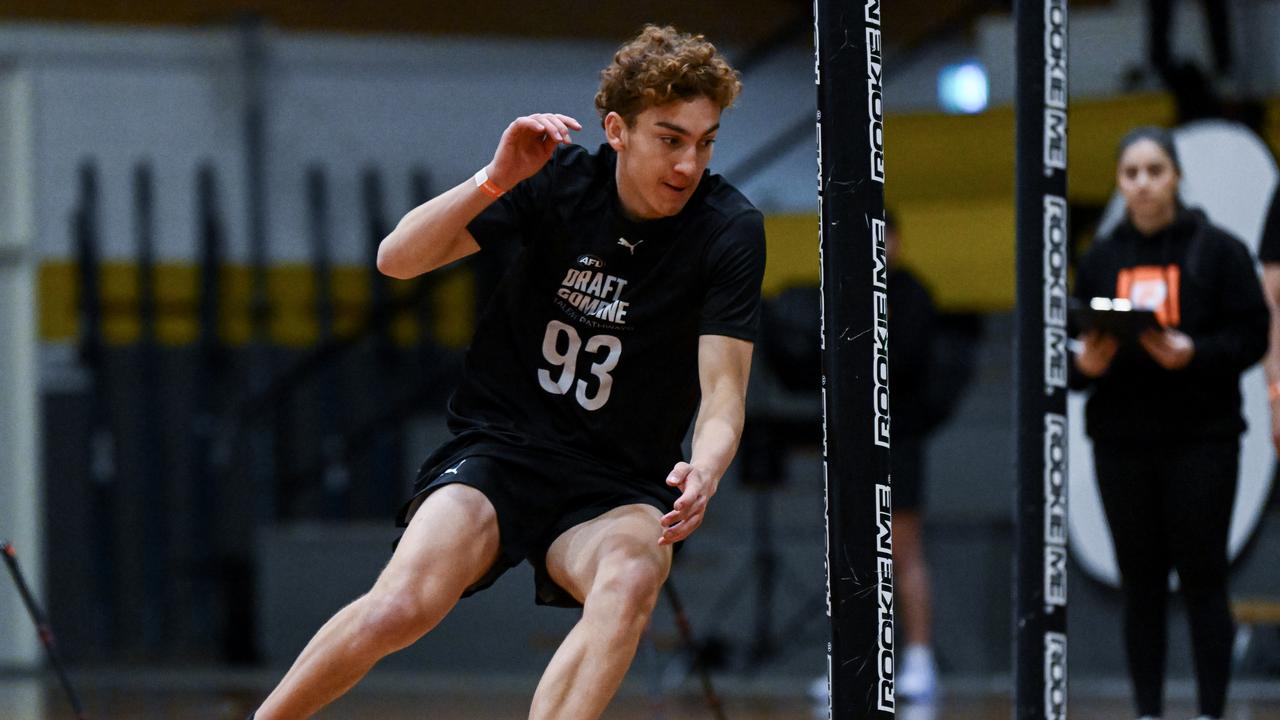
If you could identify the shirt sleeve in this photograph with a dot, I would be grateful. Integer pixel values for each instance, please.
(515, 215)
(731, 305)
(1269, 247)
(1241, 337)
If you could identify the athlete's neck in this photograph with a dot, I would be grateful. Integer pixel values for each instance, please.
(629, 200)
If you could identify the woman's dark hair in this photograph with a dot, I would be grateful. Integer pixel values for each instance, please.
(1159, 136)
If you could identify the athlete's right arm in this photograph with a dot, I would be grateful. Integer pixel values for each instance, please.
(435, 233)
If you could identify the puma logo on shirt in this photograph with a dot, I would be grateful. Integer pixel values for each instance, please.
(623, 242)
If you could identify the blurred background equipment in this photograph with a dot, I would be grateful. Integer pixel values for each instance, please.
(41, 623)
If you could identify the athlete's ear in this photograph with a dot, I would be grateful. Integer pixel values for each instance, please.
(615, 131)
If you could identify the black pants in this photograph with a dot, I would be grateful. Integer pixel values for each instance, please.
(1169, 506)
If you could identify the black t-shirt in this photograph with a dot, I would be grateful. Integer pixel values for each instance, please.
(590, 343)
(1269, 247)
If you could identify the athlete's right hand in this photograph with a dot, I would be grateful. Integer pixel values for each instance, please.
(527, 145)
(1096, 353)
(696, 489)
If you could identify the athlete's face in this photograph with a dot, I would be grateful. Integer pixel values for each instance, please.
(1149, 182)
(661, 155)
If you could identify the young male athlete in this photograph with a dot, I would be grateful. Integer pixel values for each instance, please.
(632, 303)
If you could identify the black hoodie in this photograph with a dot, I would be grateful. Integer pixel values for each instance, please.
(1214, 296)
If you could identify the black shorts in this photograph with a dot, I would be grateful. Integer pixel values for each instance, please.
(537, 495)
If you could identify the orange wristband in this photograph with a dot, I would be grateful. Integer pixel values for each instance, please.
(1273, 391)
(487, 186)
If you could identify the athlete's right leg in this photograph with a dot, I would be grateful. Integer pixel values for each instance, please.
(614, 566)
(450, 544)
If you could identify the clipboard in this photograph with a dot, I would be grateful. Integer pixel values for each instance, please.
(1113, 316)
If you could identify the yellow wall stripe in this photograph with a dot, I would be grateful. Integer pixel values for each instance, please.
(291, 297)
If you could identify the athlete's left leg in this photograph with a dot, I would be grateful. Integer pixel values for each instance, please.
(614, 566)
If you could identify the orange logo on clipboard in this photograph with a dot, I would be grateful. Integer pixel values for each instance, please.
(1150, 287)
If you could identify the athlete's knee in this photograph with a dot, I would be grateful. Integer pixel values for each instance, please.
(396, 616)
(628, 582)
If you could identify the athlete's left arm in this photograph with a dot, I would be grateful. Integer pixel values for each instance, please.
(723, 366)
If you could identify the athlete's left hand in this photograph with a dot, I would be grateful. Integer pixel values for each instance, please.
(1171, 348)
(689, 509)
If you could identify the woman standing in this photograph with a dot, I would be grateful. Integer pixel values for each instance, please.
(1164, 415)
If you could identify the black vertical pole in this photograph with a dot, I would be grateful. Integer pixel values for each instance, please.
(155, 492)
(102, 439)
(202, 532)
(337, 481)
(1041, 362)
(321, 249)
(387, 450)
(262, 442)
(855, 363)
(376, 229)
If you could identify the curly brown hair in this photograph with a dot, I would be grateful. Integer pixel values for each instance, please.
(662, 65)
